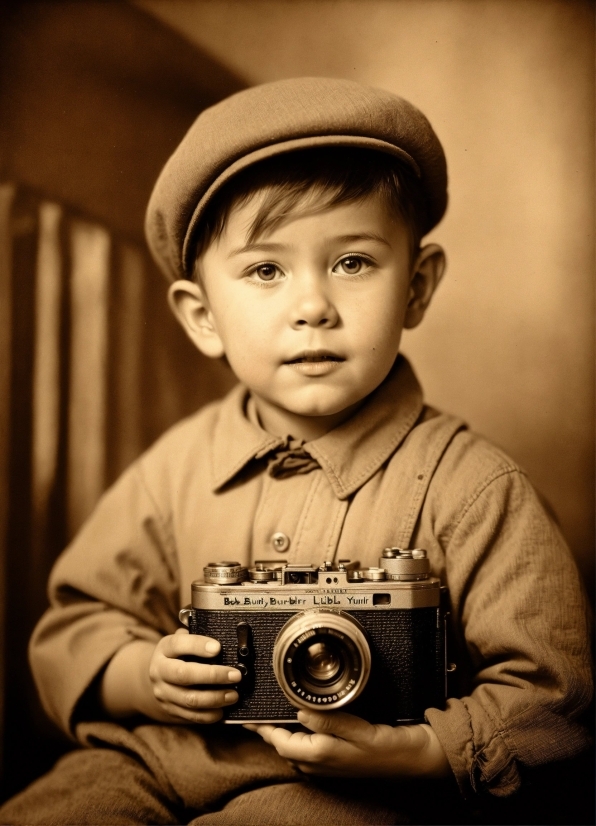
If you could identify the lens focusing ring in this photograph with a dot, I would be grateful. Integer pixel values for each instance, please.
(321, 659)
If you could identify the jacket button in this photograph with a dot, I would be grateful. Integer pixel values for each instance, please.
(280, 542)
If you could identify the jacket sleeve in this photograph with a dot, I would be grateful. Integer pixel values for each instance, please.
(519, 608)
(117, 582)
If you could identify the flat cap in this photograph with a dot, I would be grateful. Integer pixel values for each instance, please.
(271, 119)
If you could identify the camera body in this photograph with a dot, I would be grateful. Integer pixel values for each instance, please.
(323, 638)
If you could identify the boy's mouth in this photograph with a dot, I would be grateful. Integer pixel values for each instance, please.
(313, 356)
(315, 363)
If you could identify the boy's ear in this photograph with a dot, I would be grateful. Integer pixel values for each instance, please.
(189, 304)
(427, 272)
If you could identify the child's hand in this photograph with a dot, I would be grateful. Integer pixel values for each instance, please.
(347, 746)
(151, 679)
(181, 688)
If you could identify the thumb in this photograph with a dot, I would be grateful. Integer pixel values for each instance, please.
(338, 723)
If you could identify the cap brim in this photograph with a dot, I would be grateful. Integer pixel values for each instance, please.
(280, 148)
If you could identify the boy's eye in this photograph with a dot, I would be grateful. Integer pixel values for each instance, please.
(266, 272)
(351, 265)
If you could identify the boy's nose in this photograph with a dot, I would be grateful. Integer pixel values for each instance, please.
(313, 308)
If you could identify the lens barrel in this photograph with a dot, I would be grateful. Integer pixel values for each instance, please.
(321, 658)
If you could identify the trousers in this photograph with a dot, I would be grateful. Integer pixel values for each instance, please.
(175, 775)
(156, 774)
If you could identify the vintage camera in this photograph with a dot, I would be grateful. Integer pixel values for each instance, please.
(323, 638)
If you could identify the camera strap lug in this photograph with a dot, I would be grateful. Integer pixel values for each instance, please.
(450, 667)
(184, 615)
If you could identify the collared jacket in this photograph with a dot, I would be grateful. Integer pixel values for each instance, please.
(398, 473)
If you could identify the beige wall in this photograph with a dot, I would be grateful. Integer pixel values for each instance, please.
(508, 85)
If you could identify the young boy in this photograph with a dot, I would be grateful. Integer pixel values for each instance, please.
(290, 222)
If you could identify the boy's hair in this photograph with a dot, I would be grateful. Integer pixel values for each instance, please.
(311, 180)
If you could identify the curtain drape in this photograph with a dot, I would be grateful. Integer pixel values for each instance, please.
(93, 369)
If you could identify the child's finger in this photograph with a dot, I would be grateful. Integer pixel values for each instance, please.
(274, 735)
(179, 715)
(195, 699)
(293, 745)
(338, 723)
(264, 730)
(181, 643)
(180, 672)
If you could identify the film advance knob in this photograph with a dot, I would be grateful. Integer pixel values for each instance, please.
(225, 573)
(405, 565)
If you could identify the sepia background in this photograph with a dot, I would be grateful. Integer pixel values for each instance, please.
(93, 98)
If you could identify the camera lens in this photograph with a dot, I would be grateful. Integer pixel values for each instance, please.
(321, 658)
(322, 663)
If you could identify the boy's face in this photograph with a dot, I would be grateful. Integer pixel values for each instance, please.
(310, 315)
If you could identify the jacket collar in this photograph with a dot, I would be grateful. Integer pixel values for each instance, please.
(349, 455)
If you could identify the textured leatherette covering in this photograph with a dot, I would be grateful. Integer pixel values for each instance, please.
(407, 674)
